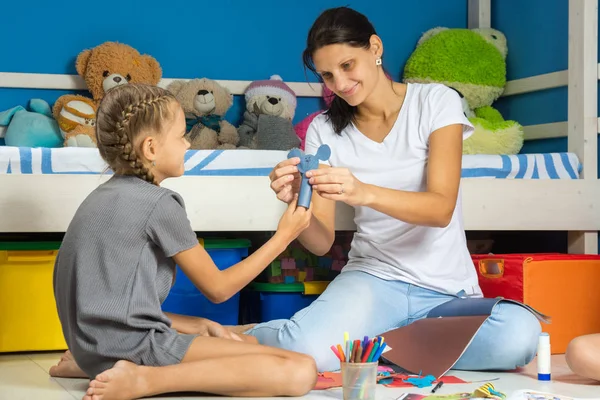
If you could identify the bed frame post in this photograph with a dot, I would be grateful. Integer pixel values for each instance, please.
(479, 15)
(583, 100)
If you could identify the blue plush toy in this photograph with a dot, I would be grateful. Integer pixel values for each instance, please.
(308, 162)
(35, 128)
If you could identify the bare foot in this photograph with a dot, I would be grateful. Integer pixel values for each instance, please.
(124, 381)
(67, 368)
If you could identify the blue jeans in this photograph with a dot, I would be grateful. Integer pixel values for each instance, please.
(363, 304)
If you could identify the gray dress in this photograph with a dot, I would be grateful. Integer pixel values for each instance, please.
(114, 270)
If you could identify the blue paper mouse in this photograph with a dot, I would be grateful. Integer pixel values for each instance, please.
(308, 162)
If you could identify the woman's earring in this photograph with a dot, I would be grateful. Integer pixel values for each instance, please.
(378, 61)
(154, 163)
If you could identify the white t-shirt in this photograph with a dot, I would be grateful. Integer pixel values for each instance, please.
(434, 258)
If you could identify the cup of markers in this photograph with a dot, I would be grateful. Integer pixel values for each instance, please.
(359, 366)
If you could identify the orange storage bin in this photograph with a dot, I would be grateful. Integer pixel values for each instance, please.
(563, 286)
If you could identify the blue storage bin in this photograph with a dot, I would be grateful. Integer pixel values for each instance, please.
(282, 300)
(184, 298)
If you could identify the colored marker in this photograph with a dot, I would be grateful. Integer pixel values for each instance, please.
(379, 352)
(365, 342)
(373, 352)
(348, 351)
(367, 352)
(341, 351)
(336, 352)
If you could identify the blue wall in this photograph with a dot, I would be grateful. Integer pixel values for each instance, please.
(233, 40)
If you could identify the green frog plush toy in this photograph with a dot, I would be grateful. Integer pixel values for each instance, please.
(473, 62)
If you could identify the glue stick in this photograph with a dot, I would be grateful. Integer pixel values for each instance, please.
(543, 357)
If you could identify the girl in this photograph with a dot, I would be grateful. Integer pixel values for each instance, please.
(116, 265)
(583, 356)
(396, 158)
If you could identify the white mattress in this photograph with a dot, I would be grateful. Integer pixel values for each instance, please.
(19, 160)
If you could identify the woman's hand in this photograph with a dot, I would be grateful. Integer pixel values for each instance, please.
(338, 184)
(285, 179)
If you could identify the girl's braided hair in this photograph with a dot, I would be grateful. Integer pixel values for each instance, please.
(125, 113)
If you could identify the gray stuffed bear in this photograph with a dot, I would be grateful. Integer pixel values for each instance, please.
(205, 103)
(270, 108)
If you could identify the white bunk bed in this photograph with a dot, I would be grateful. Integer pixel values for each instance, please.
(229, 191)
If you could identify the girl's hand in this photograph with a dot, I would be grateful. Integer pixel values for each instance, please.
(338, 184)
(285, 179)
(206, 327)
(294, 220)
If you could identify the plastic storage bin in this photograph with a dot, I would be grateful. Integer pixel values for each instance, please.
(184, 298)
(563, 286)
(283, 300)
(28, 317)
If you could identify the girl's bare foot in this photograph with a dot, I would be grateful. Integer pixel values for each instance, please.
(124, 381)
(67, 368)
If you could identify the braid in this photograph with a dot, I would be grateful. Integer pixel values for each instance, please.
(128, 153)
(137, 108)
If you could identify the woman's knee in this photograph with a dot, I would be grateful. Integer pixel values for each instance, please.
(314, 348)
(520, 330)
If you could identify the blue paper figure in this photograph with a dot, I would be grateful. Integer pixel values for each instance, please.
(308, 162)
(421, 381)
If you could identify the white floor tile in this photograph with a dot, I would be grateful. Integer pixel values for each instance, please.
(26, 377)
(22, 379)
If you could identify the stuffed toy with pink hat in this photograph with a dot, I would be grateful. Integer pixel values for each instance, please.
(270, 108)
(302, 126)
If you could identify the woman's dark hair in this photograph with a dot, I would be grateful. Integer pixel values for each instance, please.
(341, 25)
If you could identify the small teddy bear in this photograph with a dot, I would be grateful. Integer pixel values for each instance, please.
(205, 102)
(76, 117)
(270, 108)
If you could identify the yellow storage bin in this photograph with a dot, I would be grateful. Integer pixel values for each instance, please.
(28, 317)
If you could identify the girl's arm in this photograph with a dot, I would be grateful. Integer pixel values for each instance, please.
(434, 207)
(218, 286)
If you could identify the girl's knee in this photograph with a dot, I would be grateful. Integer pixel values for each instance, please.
(581, 356)
(300, 373)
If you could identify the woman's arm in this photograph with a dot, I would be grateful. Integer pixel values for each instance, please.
(320, 234)
(434, 207)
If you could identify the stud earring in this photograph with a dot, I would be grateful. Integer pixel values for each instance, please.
(378, 61)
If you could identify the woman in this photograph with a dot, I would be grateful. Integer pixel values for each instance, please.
(396, 158)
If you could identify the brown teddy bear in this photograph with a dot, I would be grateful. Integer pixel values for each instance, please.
(270, 108)
(205, 102)
(103, 67)
(76, 117)
(112, 64)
